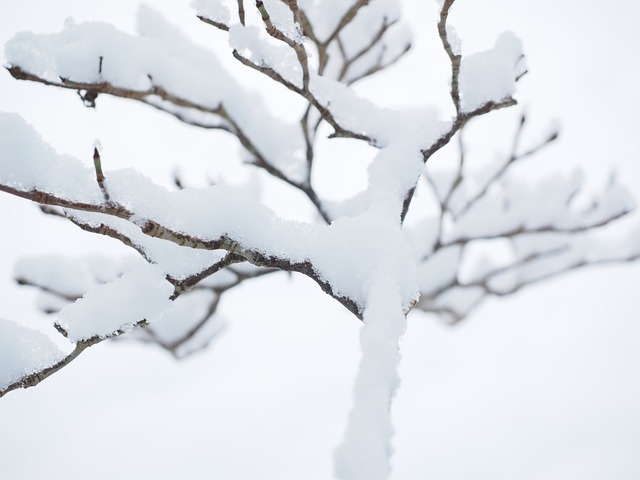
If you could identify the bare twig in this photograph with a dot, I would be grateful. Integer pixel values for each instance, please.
(375, 39)
(550, 228)
(378, 66)
(185, 284)
(46, 289)
(207, 317)
(513, 157)
(241, 11)
(216, 24)
(455, 58)
(348, 16)
(97, 164)
(429, 302)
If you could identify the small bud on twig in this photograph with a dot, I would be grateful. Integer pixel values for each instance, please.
(98, 165)
(262, 10)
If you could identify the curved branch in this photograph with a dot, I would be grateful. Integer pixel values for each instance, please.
(346, 19)
(455, 58)
(460, 120)
(35, 378)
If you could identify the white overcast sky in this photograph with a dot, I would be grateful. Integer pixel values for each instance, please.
(541, 386)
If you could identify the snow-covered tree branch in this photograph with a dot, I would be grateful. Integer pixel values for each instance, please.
(378, 253)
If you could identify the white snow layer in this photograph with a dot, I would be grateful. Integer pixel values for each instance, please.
(56, 273)
(28, 163)
(370, 239)
(176, 261)
(365, 449)
(365, 240)
(160, 56)
(534, 206)
(63, 279)
(24, 351)
(255, 44)
(282, 18)
(491, 75)
(215, 10)
(118, 305)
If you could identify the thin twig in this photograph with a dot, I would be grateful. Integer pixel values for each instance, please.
(513, 158)
(241, 11)
(455, 58)
(216, 24)
(346, 19)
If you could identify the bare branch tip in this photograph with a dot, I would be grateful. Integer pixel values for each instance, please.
(97, 163)
(208, 21)
(61, 330)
